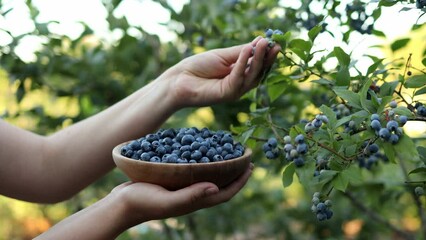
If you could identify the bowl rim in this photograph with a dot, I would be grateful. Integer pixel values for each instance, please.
(117, 156)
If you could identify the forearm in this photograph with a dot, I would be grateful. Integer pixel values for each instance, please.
(103, 220)
(51, 169)
(84, 149)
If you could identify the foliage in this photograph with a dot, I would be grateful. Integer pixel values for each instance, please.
(305, 81)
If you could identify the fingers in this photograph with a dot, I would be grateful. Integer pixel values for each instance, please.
(121, 186)
(232, 54)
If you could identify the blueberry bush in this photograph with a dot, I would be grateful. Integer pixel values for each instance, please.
(330, 127)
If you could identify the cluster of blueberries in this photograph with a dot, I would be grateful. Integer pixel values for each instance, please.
(268, 35)
(294, 152)
(370, 155)
(270, 148)
(321, 164)
(392, 131)
(420, 108)
(322, 209)
(340, 110)
(316, 123)
(184, 145)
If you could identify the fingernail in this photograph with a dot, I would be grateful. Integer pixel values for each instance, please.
(210, 191)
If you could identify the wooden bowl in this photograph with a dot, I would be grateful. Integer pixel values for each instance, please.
(173, 176)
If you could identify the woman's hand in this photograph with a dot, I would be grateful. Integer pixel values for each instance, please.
(220, 75)
(144, 201)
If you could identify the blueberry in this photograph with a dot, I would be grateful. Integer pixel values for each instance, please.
(228, 147)
(227, 138)
(299, 138)
(419, 191)
(228, 156)
(421, 111)
(302, 148)
(145, 156)
(135, 145)
(384, 133)
(152, 137)
(192, 161)
(217, 158)
(288, 147)
(403, 119)
(211, 153)
(299, 162)
(315, 200)
(373, 148)
(393, 139)
(155, 159)
(317, 123)
(188, 139)
(375, 124)
(271, 155)
(309, 127)
(374, 116)
(196, 155)
(268, 33)
(392, 125)
(204, 160)
(321, 216)
(321, 206)
(273, 142)
(329, 213)
(180, 160)
(328, 203)
(186, 155)
(324, 118)
(278, 32)
(287, 139)
(203, 149)
(195, 146)
(393, 104)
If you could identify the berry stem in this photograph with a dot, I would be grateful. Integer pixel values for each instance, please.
(329, 149)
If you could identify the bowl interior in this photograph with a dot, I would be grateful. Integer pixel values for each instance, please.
(174, 176)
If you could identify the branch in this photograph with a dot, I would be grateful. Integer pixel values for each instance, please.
(376, 217)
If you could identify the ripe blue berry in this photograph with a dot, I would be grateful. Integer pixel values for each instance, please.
(273, 142)
(302, 148)
(393, 139)
(384, 133)
(403, 119)
(299, 138)
(375, 124)
(393, 104)
(419, 191)
(374, 116)
(268, 33)
(392, 125)
(373, 148)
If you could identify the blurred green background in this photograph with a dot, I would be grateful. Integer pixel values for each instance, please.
(54, 73)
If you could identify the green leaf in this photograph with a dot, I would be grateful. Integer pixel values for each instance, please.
(288, 173)
(374, 66)
(350, 97)
(421, 91)
(415, 81)
(340, 182)
(418, 170)
(424, 62)
(301, 44)
(276, 90)
(422, 153)
(400, 43)
(313, 33)
(343, 77)
(389, 152)
(388, 88)
(247, 134)
(401, 110)
(406, 149)
(341, 56)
